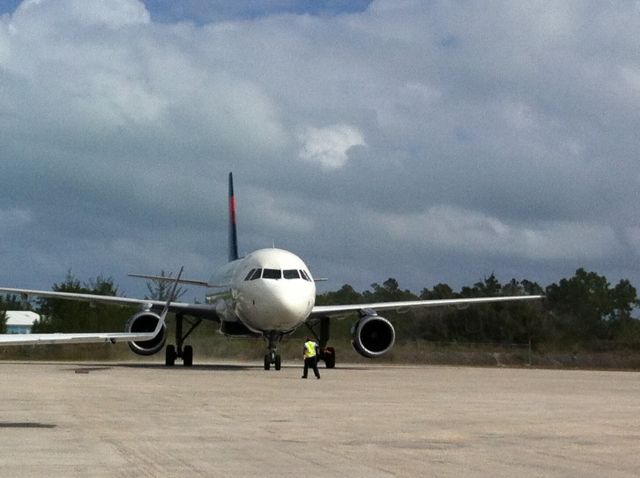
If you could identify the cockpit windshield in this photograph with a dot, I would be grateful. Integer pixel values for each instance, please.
(254, 274)
(304, 275)
(291, 274)
(272, 274)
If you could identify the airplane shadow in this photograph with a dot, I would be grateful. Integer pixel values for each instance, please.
(26, 425)
(204, 367)
(235, 367)
(88, 367)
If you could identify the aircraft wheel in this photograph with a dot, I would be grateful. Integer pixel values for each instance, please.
(267, 362)
(170, 356)
(277, 362)
(187, 356)
(330, 357)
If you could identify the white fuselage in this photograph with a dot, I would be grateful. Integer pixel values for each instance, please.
(269, 290)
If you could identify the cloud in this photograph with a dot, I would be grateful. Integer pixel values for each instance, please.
(14, 218)
(632, 235)
(85, 13)
(329, 146)
(432, 141)
(277, 214)
(472, 232)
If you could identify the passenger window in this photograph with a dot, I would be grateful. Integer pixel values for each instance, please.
(256, 274)
(291, 274)
(249, 274)
(272, 274)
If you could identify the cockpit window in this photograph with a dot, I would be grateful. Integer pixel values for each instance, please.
(291, 274)
(272, 274)
(249, 274)
(304, 275)
(256, 274)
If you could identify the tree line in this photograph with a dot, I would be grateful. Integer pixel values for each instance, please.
(583, 311)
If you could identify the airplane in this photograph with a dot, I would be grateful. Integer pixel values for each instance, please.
(268, 293)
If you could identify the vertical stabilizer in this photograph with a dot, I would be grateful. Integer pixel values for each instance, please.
(233, 234)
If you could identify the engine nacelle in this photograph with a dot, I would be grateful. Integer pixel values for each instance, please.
(146, 322)
(373, 336)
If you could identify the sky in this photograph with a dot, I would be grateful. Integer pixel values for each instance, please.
(428, 141)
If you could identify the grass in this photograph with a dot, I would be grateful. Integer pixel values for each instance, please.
(208, 347)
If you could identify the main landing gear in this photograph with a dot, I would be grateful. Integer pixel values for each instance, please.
(185, 352)
(328, 354)
(273, 357)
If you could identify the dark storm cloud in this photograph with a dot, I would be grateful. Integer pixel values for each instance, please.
(428, 141)
(221, 10)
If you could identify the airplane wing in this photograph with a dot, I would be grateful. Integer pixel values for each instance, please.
(204, 311)
(83, 338)
(342, 310)
(38, 339)
(98, 337)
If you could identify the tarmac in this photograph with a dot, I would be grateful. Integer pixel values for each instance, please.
(235, 419)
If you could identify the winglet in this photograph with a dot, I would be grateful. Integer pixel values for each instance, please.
(171, 298)
(233, 234)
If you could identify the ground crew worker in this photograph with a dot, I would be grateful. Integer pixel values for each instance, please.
(310, 351)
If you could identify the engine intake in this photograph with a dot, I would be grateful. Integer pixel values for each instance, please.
(373, 336)
(146, 322)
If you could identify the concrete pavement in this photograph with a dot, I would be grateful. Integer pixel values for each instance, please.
(235, 419)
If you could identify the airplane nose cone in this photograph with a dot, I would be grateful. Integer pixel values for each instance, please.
(290, 305)
(275, 305)
(289, 309)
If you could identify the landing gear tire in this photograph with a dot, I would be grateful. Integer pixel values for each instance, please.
(187, 356)
(267, 362)
(170, 356)
(277, 362)
(330, 357)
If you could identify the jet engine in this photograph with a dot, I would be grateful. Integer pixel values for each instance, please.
(372, 336)
(146, 322)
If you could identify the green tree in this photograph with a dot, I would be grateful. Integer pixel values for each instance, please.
(586, 308)
(60, 315)
(440, 291)
(3, 322)
(506, 322)
(346, 295)
(389, 291)
(159, 289)
(14, 302)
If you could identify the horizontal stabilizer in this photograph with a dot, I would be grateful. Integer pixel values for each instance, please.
(200, 283)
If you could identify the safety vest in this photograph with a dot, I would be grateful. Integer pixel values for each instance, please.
(309, 349)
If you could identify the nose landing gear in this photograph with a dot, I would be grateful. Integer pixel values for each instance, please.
(273, 357)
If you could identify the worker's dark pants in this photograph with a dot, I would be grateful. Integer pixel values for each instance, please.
(313, 363)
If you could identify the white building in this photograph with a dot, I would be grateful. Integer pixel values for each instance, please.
(20, 321)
